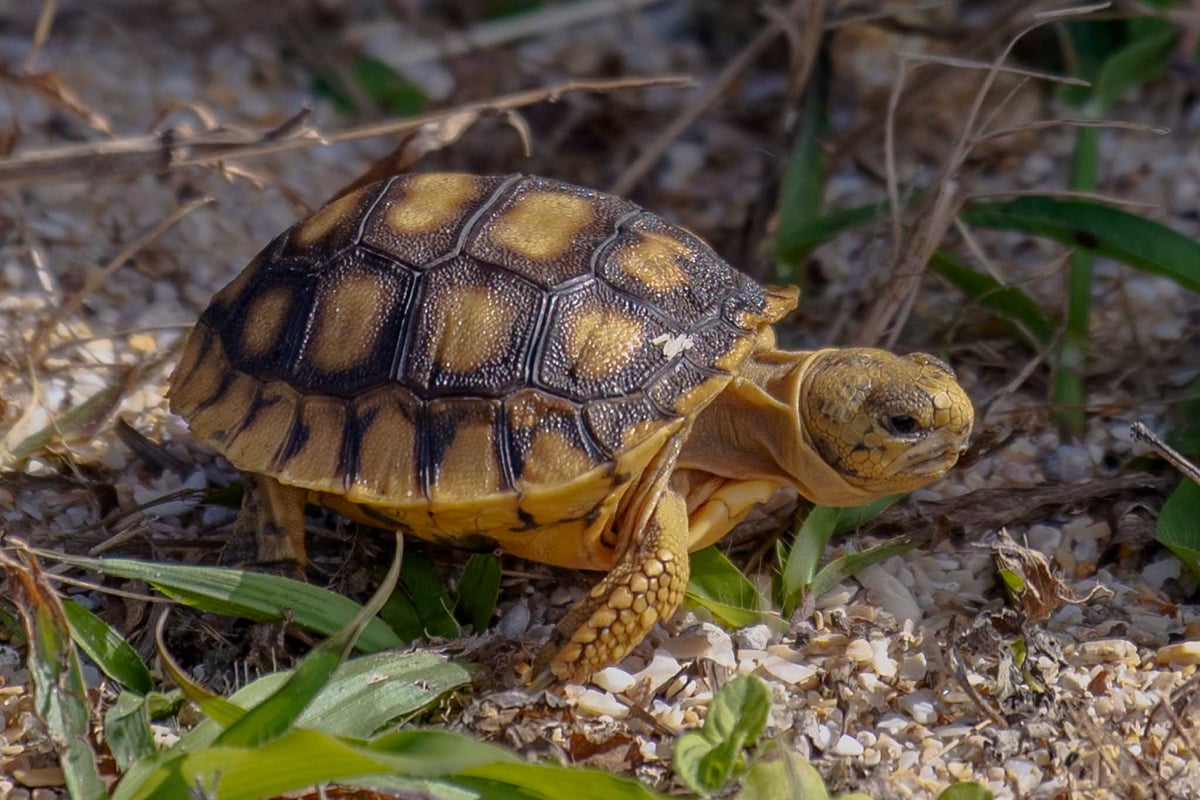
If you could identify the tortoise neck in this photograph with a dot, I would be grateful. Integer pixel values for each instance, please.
(754, 431)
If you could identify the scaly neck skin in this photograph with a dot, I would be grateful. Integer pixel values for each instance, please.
(752, 431)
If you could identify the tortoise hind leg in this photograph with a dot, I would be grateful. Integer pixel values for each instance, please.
(274, 515)
(645, 585)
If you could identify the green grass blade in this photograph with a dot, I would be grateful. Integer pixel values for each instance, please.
(1139, 242)
(1142, 60)
(561, 783)
(107, 648)
(714, 577)
(850, 565)
(802, 190)
(1179, 524)
(1012, 306)
(478, 590)
(245, 594)
(127, 729)
(424, 587)
(804, 559)
(1069, 395)
(60, 697)
(799, 240)
(275, 715)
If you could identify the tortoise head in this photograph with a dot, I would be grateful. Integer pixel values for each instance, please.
(885, 423)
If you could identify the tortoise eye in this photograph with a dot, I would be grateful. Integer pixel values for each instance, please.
(901, 425)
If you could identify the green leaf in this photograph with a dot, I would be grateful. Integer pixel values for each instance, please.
(424, 587)
(802, 189)
(12, 624)
(127, 729)
(851, 564)
(556, 783)
(301, 758)
(789, 775)
(851, 518)
(59, 695)
(272, 717)
(714, 577)
(376, 82)
(1024, 316)
(478, 590)
(245, 594)
(802, 237)
(1142, 60)
(107, 648)
(1179, 524)
(966, 791)
(804, 558)
(1139, 242)
(706, 759)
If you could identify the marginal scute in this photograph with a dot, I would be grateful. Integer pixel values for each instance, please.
(265, 429)
(313, 454)
(222, 414)
(461, 447)
(546, 440)
(196, 349)
(388, 454)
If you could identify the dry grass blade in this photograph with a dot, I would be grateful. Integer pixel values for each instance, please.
(51, 88)
(174, 148)
(940, 205)
(1176, 459)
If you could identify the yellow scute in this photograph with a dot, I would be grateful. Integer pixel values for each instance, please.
(321, 223)
(552, 457)
(431, 201)
(475, 327)
(542, 226)
(653, 261)
(348, 320)
(601, 342)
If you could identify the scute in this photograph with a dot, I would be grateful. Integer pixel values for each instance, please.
(545, 231)
(454, 342)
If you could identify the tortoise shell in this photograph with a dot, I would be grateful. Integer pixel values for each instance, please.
(464, 354)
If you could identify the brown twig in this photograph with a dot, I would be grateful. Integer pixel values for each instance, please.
(174, 148)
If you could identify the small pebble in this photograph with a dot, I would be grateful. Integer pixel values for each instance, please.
(1025, 774)
(1179, 654)
(914, 668)
(614, 679)
(847, 746)
(859, 651)
(514, 622)
(1109, 651)
(919, 705)
(756, 637)
(1069, 464)
(788, 671)
(601, 703)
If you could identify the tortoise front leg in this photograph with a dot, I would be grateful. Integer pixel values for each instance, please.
(275, 515)
(645, 585)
